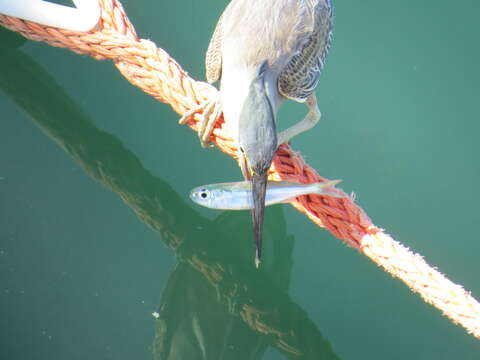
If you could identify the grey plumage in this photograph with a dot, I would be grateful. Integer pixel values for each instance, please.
(299, 77)
(213, 59)
(266, 51)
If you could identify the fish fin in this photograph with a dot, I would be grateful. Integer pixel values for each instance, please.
(331, 183)
(328, 188)
(282, 183)
(241, 185)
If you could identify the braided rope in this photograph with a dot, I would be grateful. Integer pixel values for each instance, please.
(156, 73)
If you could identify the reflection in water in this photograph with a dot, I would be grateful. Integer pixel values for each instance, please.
(216, 305)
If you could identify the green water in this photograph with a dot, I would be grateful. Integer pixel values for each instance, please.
(97, 231)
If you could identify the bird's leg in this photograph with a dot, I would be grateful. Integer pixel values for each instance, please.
(312, 117)
(209, 111)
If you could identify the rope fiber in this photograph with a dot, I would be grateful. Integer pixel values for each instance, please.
(156, 73)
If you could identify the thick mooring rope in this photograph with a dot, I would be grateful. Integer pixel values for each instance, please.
(155, 72)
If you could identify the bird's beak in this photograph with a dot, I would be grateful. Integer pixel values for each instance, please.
(244, 166)
(259, 186)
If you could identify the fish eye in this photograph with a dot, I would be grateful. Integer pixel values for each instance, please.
(203, 194)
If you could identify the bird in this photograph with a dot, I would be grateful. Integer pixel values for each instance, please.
(264, 52)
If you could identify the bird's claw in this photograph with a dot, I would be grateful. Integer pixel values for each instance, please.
(208, 111)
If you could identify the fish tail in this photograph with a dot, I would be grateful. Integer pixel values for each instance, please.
(328, 188)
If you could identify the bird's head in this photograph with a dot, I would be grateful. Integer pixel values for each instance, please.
(258, 144)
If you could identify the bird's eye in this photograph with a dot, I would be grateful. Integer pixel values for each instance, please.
(203, 195)
(241, 149)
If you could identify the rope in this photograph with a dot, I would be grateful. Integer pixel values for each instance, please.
(156, 73)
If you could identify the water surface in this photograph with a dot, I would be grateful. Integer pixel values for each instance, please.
(97, 231)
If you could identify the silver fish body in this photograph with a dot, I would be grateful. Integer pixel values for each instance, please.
(237, 195)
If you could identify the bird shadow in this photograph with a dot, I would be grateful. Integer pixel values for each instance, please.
(215, 304)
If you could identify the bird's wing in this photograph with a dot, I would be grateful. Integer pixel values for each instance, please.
(300, 76)
(213, 59)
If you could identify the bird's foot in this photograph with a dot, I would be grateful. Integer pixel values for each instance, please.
(208, 112)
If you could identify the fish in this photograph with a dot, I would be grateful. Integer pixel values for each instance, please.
(238, 196)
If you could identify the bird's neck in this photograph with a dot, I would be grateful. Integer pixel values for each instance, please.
(235, 88)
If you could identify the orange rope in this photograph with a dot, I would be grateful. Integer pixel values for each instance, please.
(155, 72)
